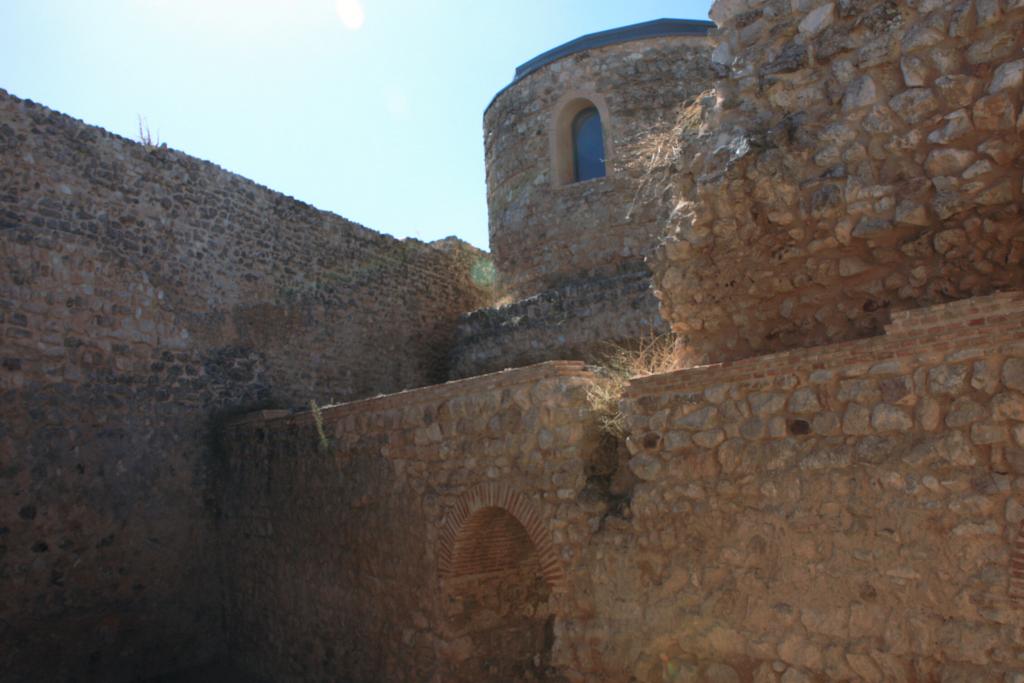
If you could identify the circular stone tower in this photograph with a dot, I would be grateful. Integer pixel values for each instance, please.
(572, 146)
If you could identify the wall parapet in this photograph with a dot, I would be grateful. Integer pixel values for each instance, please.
(967, 324)
(503, 379)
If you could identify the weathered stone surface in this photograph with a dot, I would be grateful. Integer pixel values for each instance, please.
(835, 174)
(948, 161)
(856, 420)
(804, 401)
(704, 418)
(889, 418)
(964, 411)
(781, 515)
(958, 90)
(999, 46)
(581, 319)
(145, 296)
(546, 230)
(995, 112)
(952, 449)
(1013, 373)
(915, 105)
(958, 125)
(1009, 405)
(861, 93)
(947, 379)
(1009, 76)
(799, 651)
(767, 403)
(645, 467)
(818, 19)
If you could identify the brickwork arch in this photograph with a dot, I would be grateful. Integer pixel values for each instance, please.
(474, 513)
(1015, 590)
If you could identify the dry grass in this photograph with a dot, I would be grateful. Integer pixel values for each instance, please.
(145, 136)
(318, 419)
(650, 356)
(664, 149)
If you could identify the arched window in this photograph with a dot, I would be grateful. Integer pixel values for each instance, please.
(587, 145)
(581, 138)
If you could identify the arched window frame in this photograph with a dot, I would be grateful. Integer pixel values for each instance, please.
(584, 169)
(563, 167)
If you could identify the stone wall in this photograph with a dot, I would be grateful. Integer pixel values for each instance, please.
(422, 536)
(143, 294)
(542, 234)
(861, 157)
(584, 319)
(847, 512)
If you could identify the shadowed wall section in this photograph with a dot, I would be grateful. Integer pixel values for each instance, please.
(433, 537)
(479, 536)
(143, 295)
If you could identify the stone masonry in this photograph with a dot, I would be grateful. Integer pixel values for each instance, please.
(860, 157)
(848, 512)
(336, 547)
(829, 487)
(585, 318)
(544, 233)
(144, 294)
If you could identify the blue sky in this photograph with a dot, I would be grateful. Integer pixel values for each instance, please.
(371, 109)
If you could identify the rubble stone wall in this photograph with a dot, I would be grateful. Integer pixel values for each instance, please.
(584, 319)
(349, 547)
(143, 294)
(862, 157)
(848, 512)
(541, 233)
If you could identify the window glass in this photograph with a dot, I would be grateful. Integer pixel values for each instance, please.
(587, 145)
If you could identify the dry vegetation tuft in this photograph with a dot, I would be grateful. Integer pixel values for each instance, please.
(650, 356)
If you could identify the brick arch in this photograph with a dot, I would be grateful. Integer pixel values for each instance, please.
(501, 496)
(1015, 590)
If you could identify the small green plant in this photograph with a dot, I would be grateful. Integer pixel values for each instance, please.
(651, 355)
(318, 419)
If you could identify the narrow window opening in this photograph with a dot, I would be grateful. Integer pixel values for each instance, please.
(587, 145)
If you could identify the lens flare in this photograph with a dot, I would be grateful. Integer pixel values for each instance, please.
(351, 13)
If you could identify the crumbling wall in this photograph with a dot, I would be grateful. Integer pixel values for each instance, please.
(144, 293)
(542, 233)
(847, 512)
(863, 157)
(342, 531)
(585, 319)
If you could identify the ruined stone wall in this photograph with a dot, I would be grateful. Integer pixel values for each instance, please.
(143, 293)
(542, 234)
(365, 552)
(840, 513)
(863, 157)
(849, 512)
(584, 319)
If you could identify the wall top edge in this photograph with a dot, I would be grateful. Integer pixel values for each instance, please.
(968, 324)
